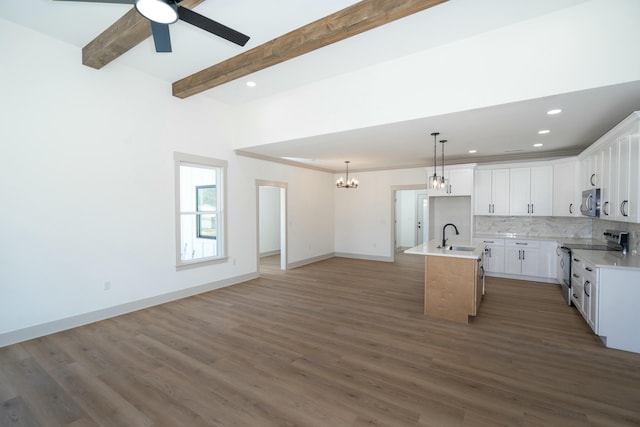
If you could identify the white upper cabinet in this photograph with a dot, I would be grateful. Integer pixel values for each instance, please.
(566, 194)
(625, 195)
(459, 182)
(607, 174)
(531, 191)
(590, 173)
(491, 195)
(612, 164)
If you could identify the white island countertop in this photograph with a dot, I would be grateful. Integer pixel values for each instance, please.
(433, 248)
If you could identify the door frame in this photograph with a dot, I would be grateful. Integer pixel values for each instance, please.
(393, 195)
(284, 231)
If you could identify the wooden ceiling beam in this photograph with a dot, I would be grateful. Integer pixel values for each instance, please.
(124, 34)
(355, 19)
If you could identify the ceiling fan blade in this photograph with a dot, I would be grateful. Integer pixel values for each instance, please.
(161, 37)
(212, 26)
(101, 1)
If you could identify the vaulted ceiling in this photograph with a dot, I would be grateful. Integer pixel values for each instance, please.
(504, 131)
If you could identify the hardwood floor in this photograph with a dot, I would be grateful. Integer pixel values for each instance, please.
(340, 342)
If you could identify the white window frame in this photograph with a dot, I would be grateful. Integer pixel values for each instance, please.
(183, 159)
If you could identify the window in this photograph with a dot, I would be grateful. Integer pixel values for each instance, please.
(200, 214)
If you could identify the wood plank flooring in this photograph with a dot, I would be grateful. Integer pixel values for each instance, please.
(341, 342)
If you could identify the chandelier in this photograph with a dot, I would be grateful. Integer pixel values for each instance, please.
(341, 183)
(437, 182)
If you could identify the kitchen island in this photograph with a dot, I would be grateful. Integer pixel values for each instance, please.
(453, 279)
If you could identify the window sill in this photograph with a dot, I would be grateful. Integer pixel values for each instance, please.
(185, 265)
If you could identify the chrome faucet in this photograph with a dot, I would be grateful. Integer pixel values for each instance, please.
(444, 238)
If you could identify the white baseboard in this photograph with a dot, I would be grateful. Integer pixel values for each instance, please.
(518, 277)
(48, 328)
(300, 263)
(365, 257)
(270, 253)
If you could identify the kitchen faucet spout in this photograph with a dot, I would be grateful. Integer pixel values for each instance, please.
(444, 238)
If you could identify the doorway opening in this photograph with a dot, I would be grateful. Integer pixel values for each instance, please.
(271, 225)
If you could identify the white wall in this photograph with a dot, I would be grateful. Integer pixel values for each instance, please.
(364, 216)
(87, 190)
(568, 50)
(269, 220)
(451, 209)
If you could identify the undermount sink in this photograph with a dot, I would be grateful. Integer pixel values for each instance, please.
(462, 248)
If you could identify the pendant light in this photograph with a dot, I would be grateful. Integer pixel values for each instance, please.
(435, 182)
(443, 181)
(341, 183)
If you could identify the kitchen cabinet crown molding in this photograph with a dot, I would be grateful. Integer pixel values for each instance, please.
(613, 133)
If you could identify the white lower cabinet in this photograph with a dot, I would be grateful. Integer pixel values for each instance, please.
(529, 259)
(616, 307)
(548, 263)
(493, 260)
(607, 298)
(522, 257)
(584, 288)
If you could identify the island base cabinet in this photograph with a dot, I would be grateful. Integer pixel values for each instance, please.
(453, 288)
(618, 293)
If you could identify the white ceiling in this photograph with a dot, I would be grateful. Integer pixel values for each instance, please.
(494, 131)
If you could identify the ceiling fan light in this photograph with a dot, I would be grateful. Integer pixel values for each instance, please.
(160, 11)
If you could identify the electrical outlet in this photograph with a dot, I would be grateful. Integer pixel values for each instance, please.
(107, 285)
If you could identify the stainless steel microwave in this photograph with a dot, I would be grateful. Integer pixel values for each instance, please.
(590, 204)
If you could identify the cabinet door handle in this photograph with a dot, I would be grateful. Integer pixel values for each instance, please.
(592, 179)
(623, 209)
(523, 254)
(528, 208)
(571, 208)
(587, 284)
(605, 208)
(522, 243)
(576, 276)
(531, 208)
(588, 269)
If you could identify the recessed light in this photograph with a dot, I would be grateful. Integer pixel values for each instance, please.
(544, 131)
(473, 151)
(554, 111)
(537, 145)
(251, 84)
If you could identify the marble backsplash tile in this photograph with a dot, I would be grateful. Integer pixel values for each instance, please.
(547, 226)
(539, 226)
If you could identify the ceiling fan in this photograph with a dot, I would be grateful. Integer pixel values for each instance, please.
(161, 13)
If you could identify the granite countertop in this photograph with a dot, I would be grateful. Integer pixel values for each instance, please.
(598, 258)
(432, 248)
(609, 259)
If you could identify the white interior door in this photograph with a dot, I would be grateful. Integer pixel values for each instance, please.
(422, 218)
